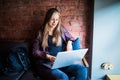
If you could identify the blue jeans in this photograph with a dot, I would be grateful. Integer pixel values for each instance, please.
(76, 72)
(72, 72)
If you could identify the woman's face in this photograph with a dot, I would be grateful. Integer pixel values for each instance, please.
(54, 20)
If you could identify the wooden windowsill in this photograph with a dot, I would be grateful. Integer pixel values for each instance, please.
(113, 77)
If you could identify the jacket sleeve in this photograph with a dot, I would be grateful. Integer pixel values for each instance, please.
(37, 49)
(66, 35)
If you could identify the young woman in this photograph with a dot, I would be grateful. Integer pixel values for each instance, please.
(51, 39)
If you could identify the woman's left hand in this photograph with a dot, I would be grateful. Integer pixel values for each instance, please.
(69, 46)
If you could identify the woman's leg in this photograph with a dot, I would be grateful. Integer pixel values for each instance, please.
(76, 72)
(52, 74)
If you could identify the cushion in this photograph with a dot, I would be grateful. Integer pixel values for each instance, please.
(76, 44)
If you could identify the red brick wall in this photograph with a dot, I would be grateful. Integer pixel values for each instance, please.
(20, 19)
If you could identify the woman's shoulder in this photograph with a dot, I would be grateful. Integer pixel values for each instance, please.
(63, 28)
(38, 34)
(66, 34)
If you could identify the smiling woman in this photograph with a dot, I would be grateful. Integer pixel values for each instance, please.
(50, 40)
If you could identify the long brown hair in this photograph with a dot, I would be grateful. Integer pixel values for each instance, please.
(56, 32)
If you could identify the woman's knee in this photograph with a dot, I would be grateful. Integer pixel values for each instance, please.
(81, 69)
(60, 75)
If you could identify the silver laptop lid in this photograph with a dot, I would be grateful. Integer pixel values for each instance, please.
(67, 58)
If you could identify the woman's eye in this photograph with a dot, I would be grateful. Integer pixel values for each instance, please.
(54, 19)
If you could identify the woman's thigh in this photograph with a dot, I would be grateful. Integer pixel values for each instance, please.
(78, 71)
(52, 74)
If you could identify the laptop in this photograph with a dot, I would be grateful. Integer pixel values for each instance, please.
(67, 58)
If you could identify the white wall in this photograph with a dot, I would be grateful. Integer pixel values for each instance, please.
(106, 37)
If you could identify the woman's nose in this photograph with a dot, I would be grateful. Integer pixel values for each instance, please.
(54, 21)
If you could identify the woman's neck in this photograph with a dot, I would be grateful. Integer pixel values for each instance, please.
(51, 31)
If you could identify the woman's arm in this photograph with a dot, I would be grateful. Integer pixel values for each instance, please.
(66, 35)
(36, 50)
(69, 46)
(41, 54)
(68, 39)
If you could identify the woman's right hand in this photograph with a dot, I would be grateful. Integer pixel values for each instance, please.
(50, 57)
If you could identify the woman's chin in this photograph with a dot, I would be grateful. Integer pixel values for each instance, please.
(54, 26)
